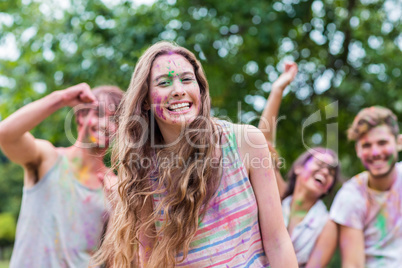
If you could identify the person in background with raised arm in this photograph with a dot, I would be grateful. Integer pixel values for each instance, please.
(368, 207)
(311, 177)
(63, 209)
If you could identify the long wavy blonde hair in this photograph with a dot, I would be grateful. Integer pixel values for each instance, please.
(187, 187)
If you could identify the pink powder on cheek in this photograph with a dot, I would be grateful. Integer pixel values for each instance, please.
(375, 151)
(391, 152)
(157, 102)
(307, 167)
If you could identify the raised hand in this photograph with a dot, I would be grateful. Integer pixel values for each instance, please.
(287, 76)
(77, 94)
(269, 116)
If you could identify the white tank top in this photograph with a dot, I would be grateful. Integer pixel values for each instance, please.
(60, 223)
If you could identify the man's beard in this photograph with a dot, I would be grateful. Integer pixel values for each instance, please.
(385, 174)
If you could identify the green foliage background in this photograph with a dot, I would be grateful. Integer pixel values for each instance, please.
(348, 52)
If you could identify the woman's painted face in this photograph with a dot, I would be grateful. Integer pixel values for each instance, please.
(174, 93)
(318, 173)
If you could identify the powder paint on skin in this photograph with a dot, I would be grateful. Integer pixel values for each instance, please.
(77, 160)
(92, 139)
(157, 100)
(301, 213)
(171, 61)
(298, 213)
(158, 106)
(83, 174)
(147, 249)
(307, 166)
(391, 158)
(87, 123)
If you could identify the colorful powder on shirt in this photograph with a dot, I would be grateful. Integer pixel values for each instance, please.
(381, 224)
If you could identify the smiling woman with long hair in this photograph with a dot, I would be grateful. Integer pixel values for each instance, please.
(188, 194)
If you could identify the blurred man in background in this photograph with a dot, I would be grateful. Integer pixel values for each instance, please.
(368, 208)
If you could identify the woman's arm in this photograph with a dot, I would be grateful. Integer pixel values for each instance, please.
(269, 116)
(282, 185)
(352, 247)
(324, 247)
(19, 145)
(276, 241)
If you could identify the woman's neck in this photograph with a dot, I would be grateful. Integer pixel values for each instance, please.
(171, 136)
(301, 203)
(90, 158)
